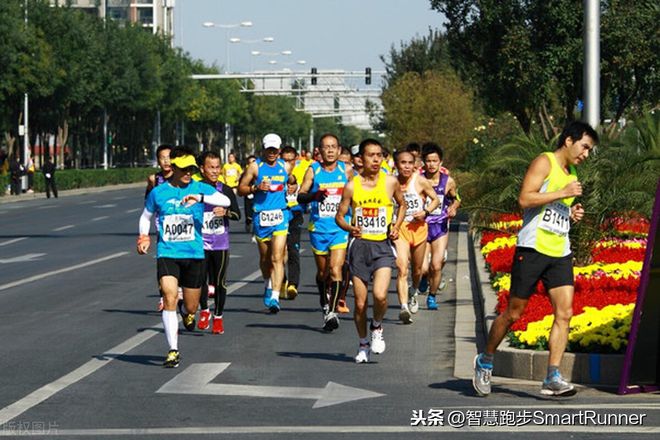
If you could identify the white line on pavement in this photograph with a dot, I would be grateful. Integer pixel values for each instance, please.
(14, 240)
(59, 271)
(130, 211)
(87, 202)
(47, 207)
(63, 228)
(36, 397)
(354, 429)
(103, 217)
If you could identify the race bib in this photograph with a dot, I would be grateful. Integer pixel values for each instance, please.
(438, 210)
(413, 204)
(213, 225)
(232, 172)
(271, 218)
(178, 228)
(556, 218)
(371, 221)
(329, 207)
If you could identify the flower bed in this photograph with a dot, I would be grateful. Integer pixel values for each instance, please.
(605, 291)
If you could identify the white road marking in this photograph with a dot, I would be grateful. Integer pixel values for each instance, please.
(109, 205)
(63, 228)
(196, 379)
(36, 397)
(47, 207)
(59, 271)
(334, 429)
(21, 258)
(130, 211)
(103, 217)
(87, 202)
(13, 240)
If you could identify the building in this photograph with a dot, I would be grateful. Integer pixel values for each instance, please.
(156, 15)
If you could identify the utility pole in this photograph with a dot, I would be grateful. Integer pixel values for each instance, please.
(26, 131)
(591, 73)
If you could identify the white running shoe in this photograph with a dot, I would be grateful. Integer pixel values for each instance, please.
(413, 304)
(362, 356)
(377, 341)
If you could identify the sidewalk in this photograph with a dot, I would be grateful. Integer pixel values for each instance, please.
(70, 192)
(475, 312)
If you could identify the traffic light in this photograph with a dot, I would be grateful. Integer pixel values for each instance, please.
(314, 72)
(367, 76)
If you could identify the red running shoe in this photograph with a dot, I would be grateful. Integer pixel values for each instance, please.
(218, 327)
(204, 317)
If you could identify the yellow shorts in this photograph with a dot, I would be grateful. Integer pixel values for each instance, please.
(414, 233)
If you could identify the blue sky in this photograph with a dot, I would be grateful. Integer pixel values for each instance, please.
(327, 34)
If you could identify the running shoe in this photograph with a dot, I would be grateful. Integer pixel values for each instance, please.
(481, 378)
(268, 294)
(342, 307)
(204, 317)
(330, 321)
(556, 385)
(172, 360)
(431, 304)
(413, 303)
(377, 341)
(274, 306)
(443, 284)
(161, 306)
(362, 356)
(187, 318)
(218, 325)
(424, 284)
(292, 291)
(405, 316)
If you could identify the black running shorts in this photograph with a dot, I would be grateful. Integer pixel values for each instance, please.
(189, 272)
(530, 266)
(365, 257)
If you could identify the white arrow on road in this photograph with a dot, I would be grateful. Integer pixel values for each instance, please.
(196, 380)
(21, 259)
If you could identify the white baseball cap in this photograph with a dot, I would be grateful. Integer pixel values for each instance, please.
(271, 140)
(355, 150)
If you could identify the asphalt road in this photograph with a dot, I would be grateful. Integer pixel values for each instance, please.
(81, 350)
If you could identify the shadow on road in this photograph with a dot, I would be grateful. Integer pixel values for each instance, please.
(464, 388)
(337, 357)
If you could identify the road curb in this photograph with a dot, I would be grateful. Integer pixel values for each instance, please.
(71, 192)
(583, 368)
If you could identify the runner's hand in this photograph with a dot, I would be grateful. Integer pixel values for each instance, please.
(577, 212)
(143, 243)
(394, 232)
(190, 200)
(219, 211)
(320, 196)
(356, 232)
(573, 189)
(419, 215)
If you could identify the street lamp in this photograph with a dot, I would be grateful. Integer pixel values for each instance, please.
(226, 27)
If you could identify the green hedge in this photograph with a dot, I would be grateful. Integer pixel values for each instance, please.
(73, 179)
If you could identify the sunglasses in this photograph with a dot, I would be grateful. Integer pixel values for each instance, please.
(189, 170)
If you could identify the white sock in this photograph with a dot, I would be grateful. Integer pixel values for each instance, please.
(375, 323)
(171, 325)
(404, 306)
(364, 341)
(268, 283)
(418, 292)
(275, 295)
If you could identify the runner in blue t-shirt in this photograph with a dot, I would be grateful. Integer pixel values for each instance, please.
(179, 208)
(323, 186)
(267, 179)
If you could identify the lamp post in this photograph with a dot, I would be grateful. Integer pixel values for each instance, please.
(226, 27)
(26, 132)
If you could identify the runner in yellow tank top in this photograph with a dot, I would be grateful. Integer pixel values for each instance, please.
(371, 256)
(548, 189)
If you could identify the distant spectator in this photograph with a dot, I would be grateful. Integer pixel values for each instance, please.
(29, 167)
(16, 171)
(49, 175)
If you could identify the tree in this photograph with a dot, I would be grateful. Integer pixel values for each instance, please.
(435, 106)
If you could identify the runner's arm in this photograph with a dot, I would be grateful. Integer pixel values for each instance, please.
(530, 195)
(245, 186)
(234, 212)
(428, 190)
(345, 203)
(304, 196)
